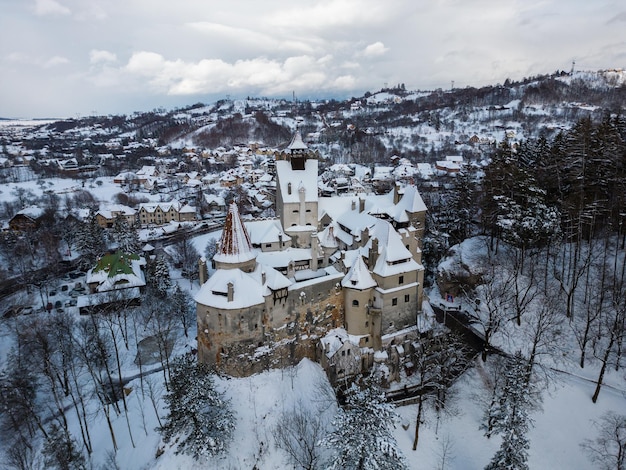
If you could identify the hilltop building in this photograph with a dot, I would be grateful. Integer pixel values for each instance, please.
(329, 278)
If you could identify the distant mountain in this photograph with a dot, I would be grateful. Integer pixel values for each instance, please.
(419, 125)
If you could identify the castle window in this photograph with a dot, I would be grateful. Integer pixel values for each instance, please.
(295, 211)
(355, 303)
(348, 352)
(367, 324)
(407, 297)
(401, 280)
(268, 245)
(367, 339)
(394, 301)
(343, 353)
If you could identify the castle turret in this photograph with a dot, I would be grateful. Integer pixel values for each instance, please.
(235, 249)
(358, 285)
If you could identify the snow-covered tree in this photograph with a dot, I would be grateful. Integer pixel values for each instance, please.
(200, 419)
(125, 236)
(185, 255)
(185, 310)
(61, 452)
(90, 240)
(362, 438)
(211, 249)
(159, 277)
(509, 416)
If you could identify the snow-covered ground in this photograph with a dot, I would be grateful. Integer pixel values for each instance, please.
(258, 402)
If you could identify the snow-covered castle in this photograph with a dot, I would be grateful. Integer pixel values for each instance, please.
(332, 278)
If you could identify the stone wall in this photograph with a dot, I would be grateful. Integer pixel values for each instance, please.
(272, 337)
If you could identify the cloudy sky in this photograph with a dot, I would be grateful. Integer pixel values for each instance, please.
(63, 58)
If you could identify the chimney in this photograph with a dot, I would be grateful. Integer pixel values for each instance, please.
(263, 277)
(373, 254)
(365, 236)
(280, 242)
(231, 291)
(203, 274)
(361, 204)
(288, 188)
(291, 270)
(314, 251)
(396, 193)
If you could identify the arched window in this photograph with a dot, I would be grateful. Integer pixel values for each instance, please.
(355, 303)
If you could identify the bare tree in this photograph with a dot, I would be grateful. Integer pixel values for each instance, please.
(493, 300)
(608, 449)
(298, 433)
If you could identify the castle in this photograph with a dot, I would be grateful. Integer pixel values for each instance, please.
(331, 278)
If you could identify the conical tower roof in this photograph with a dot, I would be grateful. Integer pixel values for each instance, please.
(235, 246)
(297, 144)
(358, 277)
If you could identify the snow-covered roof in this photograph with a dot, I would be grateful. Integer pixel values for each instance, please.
(248, 289)
(281, 259)
(265, 231)
(358, 276)
(33, 212)
(386, 267)
(335, 339)
(109, 211)
(127, 276)
(327, 237)
(235, 245)
(296, 142)
(411, 200)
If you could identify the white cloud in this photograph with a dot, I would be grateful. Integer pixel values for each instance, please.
(97, 56)
(303, 73)
(25, 59)
(50, 7)
(55, 61)
(374, 50)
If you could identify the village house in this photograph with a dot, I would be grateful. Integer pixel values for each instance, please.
(28, 218)
(330, 278)
(160, 213)
(107, 214)
(117, 277)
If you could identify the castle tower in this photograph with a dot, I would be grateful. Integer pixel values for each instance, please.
(235, 249)
(359, 320)
(296, 192)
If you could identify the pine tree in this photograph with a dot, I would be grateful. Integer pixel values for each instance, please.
(509, 417)
(362, 438)
(126, 236)
(90, 240)
(199, 417)
(159, 277)
(60, 451)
